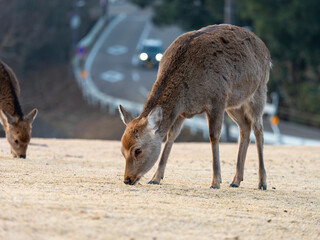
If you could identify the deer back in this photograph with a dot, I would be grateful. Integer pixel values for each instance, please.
(9, 91)
(219, 64)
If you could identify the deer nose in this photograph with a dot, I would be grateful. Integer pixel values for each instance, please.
(22, 156)
(127, 181)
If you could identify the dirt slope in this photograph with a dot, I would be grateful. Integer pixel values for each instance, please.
(72, 189)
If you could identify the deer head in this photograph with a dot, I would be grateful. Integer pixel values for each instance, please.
(18, 131)
(141, 143)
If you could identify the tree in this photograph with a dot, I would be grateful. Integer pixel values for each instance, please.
(37, 32)
(291, 31)
(188, 14)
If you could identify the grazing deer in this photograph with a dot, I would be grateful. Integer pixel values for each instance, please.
(212, 70)
(16, 126)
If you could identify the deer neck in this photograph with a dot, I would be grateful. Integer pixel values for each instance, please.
(170, 112)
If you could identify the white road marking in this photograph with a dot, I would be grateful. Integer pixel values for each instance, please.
(144, 35)
(117, 50)
(135, 76)
(112, 76)
(93, 53)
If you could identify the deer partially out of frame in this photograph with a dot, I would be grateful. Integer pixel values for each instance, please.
(212, 70)
(16, 126)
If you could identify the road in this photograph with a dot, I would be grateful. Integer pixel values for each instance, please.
(116, 78)
(114, 68)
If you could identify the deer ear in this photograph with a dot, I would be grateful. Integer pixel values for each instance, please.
(125, 115)
(155, 118)
(32, 115)
(6, 118)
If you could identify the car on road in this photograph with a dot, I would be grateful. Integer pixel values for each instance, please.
(151, 53)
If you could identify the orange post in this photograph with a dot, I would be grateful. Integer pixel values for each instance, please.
(274, 120)
(83, 74)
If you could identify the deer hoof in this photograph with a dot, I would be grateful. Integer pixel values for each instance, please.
(262, 187)
(153, 182)
(234, 185)
(215, 187)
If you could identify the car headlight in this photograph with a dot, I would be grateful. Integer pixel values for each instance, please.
(143, 56)
(159, 56)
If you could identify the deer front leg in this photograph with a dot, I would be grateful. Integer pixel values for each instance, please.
(171, 136)
(215, 120)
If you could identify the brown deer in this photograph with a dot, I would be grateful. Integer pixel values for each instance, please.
(212, 70)
(16, 126)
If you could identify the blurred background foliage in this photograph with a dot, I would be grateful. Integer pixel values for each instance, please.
(36, 32)
(291, 31)
(37, 41)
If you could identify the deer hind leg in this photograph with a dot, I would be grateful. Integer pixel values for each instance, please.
(256, 110)
(215, 119)
(258, 132)
(244, 125)
(171, 136)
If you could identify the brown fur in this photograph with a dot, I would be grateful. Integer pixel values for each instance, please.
(134, 131)
(9, 91)
(15, 124)
(215, 69)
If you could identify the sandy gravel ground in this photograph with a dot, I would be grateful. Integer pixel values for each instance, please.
(73, 189)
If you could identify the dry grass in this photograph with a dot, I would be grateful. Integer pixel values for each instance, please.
(72, 189)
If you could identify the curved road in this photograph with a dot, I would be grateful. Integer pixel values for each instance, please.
(113, 66)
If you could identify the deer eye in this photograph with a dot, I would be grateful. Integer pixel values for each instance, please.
(138, 151)
(16, 141)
